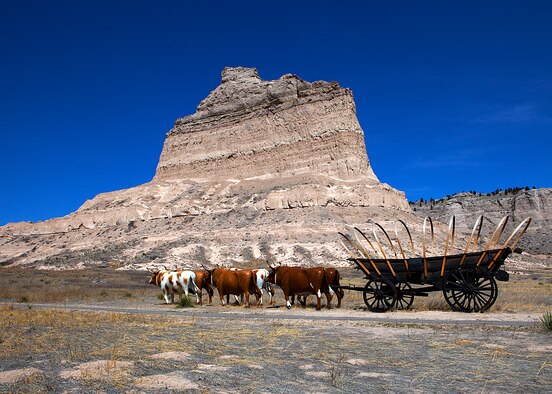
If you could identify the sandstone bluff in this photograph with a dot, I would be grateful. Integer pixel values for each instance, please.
(262, 169)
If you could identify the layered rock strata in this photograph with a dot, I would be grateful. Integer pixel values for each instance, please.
(248, 128)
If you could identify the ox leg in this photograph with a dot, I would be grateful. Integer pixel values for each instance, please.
(247, 299)
(196, 290)
(288, 304)
(329, 300)
(270, 292)
(166, 295)
(318, 298)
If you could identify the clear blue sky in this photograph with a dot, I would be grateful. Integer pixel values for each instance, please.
(452, 96)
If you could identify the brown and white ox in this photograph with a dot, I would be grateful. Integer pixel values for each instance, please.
(260, 282)
(203, 280)
(297, 281)
(172, 282)
(236, 282)
(332, 279)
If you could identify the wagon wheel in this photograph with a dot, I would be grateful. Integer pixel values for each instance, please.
(405, 298)
(380, 295)
(470, 289)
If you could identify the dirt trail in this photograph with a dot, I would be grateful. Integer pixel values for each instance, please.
(280, 313)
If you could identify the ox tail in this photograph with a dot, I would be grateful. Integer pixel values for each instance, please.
(330, 283)
(325, 286)
(194, 284)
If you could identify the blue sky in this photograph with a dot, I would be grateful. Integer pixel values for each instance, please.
(452, 96)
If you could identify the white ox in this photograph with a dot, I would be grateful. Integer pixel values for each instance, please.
(172, 282)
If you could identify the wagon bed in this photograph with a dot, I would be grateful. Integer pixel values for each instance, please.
(467, 280)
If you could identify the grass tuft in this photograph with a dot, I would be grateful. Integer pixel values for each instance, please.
(546, 321)
(23, 300)
(185, 302)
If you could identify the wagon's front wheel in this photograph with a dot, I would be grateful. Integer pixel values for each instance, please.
(380, 295)
(470, 289)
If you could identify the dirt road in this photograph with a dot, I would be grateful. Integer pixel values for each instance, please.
(424, 318)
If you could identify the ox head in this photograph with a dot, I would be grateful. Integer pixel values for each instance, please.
(155, 277)
(209, 277)
(271, 278)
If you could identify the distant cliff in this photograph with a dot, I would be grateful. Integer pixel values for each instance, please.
(518, 203)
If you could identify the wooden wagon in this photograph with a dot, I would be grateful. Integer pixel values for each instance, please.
(467, 280)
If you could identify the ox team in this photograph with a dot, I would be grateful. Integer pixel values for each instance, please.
(294, 281)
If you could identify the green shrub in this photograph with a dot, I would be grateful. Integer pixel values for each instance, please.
(23, 300)
(518, 250)
(546, 321)
(185, 302)
(127, 295)
(160, 297)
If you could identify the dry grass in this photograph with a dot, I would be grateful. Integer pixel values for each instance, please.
(79, 335)
(520, 294)
(97, 285)
(392, 358)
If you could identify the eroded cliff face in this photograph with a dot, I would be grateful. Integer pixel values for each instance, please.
(521, 204)
(267, 169)
(248, 128)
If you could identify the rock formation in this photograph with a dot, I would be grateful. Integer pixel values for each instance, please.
(519, 204)
(249, 128)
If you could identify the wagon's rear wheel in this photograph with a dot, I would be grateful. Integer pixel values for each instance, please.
(405, 296)
(380, 295)
(470, 289)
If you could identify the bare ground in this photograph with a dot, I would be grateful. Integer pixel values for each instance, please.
(149, 347)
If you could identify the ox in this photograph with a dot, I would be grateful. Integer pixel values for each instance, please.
(332, 279)
(300, 282)
(260, 277)
(172, 282)
(261, 284)
(203, 279)
(237, 282)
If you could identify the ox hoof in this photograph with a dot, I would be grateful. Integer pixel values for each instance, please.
(288, 306)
